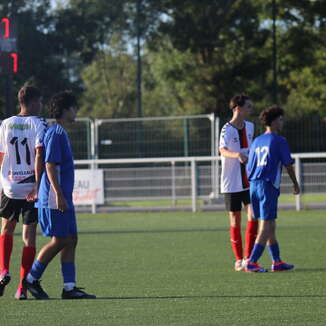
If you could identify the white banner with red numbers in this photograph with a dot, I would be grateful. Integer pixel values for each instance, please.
(88, 187)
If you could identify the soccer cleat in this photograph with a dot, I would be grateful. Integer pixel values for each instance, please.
(255, 268)
(76, 293)
(21, 294)
(35, 289)
(281, 267)
(5, 279)
(238, 265)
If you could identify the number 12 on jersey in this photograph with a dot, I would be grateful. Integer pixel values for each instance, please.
(262, 153)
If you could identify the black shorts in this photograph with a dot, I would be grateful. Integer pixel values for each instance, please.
(12, 208)
(234, 200)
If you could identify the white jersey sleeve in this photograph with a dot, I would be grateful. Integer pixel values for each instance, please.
(2, 146)
(225, 136)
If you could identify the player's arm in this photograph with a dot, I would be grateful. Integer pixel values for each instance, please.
(1, 158)
(291, 173)
(237, 155)
(38, 167)
(52, 173)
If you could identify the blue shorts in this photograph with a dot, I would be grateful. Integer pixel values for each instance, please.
(55, 223)
(264, 198)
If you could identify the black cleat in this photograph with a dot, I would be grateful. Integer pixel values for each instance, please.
(3, 282)
(35, 289)
(76, 293)
(21, 294)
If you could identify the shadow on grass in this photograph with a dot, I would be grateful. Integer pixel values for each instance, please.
(309, 270)
(190, 297)
(145, 231)
(212, 297)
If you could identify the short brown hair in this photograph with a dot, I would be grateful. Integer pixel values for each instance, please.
(270, 114)
(27, 94)
(238, 100)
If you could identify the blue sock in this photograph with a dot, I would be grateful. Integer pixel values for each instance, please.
(37, 269)
(257, 251)
(68, 272)
(274, 252)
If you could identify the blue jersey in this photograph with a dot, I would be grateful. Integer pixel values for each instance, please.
(268, 153)
(57, 150)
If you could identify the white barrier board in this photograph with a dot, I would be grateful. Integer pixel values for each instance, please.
(88, 187)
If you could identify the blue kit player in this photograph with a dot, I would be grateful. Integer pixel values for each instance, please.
(55, 206)
(268, 153)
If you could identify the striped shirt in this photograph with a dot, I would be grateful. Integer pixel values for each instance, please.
(234, 176)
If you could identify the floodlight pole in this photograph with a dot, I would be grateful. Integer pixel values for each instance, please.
(139, 64)
(139, 81)
(275, 86)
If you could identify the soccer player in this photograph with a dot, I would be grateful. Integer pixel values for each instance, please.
(55, 206)
(235, 140)
(21, 141)
(268, 153)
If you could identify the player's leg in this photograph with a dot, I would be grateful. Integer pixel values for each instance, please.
(265, 228)
(252, 226)
(260, 209)
(45, 256)
(274, 250)
(233, 206)
(9, 211)
(6, 244)
(68, 267)
(29, 213)
(236, 238)
(53, 224)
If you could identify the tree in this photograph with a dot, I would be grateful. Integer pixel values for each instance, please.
(109, 83)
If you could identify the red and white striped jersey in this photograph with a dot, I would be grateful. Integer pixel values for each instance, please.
(234, 176)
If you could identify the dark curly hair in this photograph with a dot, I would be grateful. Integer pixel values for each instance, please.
(27, 94)
(60, 102)
(238, 100)
(270, 114)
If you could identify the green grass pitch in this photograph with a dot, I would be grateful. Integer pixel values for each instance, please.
(176, 269)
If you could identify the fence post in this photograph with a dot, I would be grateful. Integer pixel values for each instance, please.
(174, 201)
(193, 186)
(93, 168)
(298, 175)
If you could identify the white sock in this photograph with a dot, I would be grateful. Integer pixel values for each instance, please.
(69, 286)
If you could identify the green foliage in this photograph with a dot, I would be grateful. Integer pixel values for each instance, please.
(196, 55)
(307, 91)
(109, 85)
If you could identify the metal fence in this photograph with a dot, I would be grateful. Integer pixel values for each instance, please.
(157, 179)
(144, 137)
(183, 136)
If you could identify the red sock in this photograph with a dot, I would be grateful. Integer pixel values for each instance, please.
(236, 242)
(251, 234)
(6, 244)
(27, 262)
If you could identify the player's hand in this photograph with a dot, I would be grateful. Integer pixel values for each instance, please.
(296, 190)
(32, 195)
(242, 158)
(62, 204)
